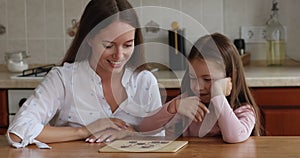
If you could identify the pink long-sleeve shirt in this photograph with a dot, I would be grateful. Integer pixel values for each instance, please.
(234, 126)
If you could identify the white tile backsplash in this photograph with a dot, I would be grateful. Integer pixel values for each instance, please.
(174, 4)
(3, 46)
(189, 14)
(72, 10)
(37, 48)
(213, 15)
(234, 16)
(39, 26)
(57, 55)
(54, 19)
(293, 25)
(16, 45)
(255, 13)
(3, 19)
(35, 18)
(194, 9)
(16, 14)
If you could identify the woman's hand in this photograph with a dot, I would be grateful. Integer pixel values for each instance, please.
(110, 135)
(105, 123)
(190, 107)
(221, 87)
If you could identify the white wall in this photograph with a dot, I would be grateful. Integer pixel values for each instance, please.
(255, 13)
(197, 17)
(227, 16)
(39, 26)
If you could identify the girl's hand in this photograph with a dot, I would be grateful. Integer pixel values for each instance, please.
(110, 135)
(190, 107)
(221, 87)
(106, 123)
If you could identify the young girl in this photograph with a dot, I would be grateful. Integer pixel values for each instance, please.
(215, 96)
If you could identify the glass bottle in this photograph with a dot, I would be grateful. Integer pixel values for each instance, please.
(275, 36)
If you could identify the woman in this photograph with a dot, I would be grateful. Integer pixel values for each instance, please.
(102, 90)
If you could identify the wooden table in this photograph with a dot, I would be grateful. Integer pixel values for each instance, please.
(265, 146)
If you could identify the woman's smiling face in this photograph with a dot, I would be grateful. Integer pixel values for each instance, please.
(112, 47)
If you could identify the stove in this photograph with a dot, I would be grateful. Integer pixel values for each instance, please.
(16, 98)
(34, 73)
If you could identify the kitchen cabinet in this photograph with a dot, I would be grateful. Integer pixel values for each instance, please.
(3, 111)
(168, 94)
(280, 108)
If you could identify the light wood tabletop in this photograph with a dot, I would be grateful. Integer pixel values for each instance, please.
(264, 146)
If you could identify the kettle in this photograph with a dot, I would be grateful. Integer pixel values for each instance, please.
(15, 61)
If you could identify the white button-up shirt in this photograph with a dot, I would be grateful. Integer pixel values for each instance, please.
(73, 95)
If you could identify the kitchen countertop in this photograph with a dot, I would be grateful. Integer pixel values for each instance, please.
(7, 83)
(286, 76)
(256, 76)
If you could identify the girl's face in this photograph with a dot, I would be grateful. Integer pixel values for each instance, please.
(202, 74)
(112, 47)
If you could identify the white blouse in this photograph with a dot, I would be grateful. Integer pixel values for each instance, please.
(72, 95)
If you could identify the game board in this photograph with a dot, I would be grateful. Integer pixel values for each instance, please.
(143, 146)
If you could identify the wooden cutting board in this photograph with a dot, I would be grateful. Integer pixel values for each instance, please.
(143, 146)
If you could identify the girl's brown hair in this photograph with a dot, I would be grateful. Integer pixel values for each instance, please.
(97, 15)
(220, 48)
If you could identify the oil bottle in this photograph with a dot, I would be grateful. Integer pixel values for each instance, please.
(275, 36)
